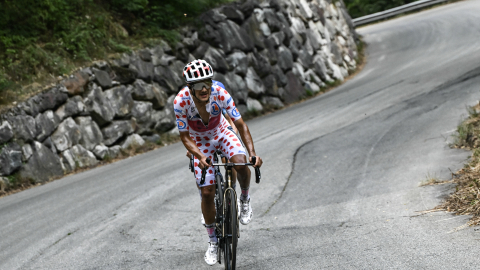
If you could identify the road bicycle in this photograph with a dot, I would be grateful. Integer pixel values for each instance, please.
(226, 219)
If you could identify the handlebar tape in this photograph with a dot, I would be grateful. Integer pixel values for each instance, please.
(258, 176)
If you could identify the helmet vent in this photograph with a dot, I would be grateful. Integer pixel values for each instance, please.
(197, 70)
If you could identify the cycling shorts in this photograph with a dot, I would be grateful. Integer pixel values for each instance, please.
(222, 138)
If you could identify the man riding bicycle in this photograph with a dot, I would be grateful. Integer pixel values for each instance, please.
(203, 130)
(223, 157)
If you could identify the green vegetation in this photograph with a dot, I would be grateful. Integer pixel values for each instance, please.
(15, 181)
(465, 199)
(40, 40)
(359, 8)
(432, 180)
(468, 132)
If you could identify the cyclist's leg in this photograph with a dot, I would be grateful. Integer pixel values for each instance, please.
(232, 148)
(208, 211)
(243, 175)
(208, 188)
(234, 172)
(208, 193)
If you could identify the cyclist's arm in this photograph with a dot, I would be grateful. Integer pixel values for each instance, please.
(189, 143)
(247, 140)
(231, 123)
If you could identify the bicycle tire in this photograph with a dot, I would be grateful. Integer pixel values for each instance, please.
(231, 221)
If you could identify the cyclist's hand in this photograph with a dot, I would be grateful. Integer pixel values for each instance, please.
(189, 154)
(203, 163)
(258, 162)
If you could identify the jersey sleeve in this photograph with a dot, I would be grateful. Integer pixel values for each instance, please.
(180, 109)
(228, 104)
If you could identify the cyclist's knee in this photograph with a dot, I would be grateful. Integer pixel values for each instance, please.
(239, 159)
(243, 173)
(208, 192)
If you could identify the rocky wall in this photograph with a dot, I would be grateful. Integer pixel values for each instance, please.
(265, 52)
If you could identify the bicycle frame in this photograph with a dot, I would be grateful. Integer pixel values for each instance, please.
(221, 222)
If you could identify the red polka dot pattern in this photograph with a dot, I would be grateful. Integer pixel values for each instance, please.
(217, 136)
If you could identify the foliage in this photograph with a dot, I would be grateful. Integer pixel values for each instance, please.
(359, 8)
(468, 132)
(40, 39)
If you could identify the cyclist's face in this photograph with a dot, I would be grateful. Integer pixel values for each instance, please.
(202, 90)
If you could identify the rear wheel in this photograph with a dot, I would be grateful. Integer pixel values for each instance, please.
(231, 230)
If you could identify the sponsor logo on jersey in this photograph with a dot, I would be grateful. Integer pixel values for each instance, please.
(185, 98)
(181, 125)
(179, 111)
(194, 117)
(192, 109)
(215, 109)
(235, 112)
(230, 99)
(242, 152)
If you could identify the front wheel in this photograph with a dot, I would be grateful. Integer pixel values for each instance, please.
(231, 230)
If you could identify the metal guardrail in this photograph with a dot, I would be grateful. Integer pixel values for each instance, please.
(395, 11)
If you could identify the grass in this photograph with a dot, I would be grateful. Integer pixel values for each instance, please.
(431, 180)
(466, 198)
(468, 131)
(41, 41)
(15, 183)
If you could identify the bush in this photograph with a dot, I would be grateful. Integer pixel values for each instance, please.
(40, 39)
(359, 8)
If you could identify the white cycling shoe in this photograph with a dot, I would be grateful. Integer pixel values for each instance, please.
(246, 212)
(211, 254)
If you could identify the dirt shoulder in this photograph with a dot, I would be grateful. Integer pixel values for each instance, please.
(466, 198)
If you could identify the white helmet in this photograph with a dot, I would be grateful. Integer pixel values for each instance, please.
(197, 70)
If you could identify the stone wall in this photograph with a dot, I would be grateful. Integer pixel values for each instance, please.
(265, 52)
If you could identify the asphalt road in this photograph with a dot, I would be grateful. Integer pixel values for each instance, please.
(340, 187)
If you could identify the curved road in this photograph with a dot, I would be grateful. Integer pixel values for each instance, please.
(340, 187)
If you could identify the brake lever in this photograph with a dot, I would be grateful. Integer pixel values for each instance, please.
(258, 176)
(204, 172)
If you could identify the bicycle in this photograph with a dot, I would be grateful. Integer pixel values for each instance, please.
(226, 220)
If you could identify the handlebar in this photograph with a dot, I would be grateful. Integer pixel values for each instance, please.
(258, 176)
(257, 170)
(191, 165)
(204, 172)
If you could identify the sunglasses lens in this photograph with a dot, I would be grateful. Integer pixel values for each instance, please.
(200, 85)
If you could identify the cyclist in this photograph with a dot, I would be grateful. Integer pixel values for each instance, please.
(203, 130)
(224, 158)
